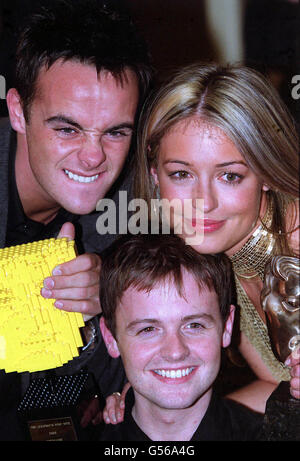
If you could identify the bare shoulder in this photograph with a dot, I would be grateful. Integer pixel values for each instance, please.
(254, 360)
(292, 226)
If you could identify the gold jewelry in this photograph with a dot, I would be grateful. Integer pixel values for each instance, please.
(250, 260)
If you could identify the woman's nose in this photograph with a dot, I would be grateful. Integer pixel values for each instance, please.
(207, 195)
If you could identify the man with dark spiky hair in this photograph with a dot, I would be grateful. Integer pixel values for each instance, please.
(81, 73)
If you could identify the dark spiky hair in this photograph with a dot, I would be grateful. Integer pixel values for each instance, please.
(82, 31)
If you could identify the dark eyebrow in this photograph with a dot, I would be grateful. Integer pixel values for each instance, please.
(140, 321)
(63, 119)
(69, 121)
(184, 319)
(120, 126)
(198, 316)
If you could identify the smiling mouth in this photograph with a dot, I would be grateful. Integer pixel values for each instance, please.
(207, 225)
(174, 374)
(82, 179)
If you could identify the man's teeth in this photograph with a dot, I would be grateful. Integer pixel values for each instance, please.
(174, 373)
(78, 178)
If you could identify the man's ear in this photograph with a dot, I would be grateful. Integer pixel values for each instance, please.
(110, 342)
(15, 110)
(228, 327)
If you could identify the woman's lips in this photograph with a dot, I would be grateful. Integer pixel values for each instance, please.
(209, 225)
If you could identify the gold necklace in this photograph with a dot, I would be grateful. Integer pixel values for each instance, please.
(249, 262)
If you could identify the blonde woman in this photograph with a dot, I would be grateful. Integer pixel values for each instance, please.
(222, 134)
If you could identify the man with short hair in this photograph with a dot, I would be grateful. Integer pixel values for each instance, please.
(168, 311)
(81, 73)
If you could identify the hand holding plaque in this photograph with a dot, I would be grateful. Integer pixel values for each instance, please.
(280, 300)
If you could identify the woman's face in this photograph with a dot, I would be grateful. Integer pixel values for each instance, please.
(198, 161)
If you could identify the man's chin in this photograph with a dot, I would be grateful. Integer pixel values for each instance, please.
(80, 209)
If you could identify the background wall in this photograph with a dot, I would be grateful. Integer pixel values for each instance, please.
(260, 33)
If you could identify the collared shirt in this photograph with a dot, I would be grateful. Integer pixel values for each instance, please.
(224, 420)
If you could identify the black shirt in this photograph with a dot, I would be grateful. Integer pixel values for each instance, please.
(224, 420)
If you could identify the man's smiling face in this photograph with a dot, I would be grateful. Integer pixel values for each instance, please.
(171, 345)
(78, 134)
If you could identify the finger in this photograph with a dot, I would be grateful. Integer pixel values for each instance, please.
(295, 394)
(112, 416)
(295, 371)
(125, 390)
(88, 307)
(82, 293)
(123, 395)
(120, 415)
(294, 358)
(82, 263)
(120, 404)
(67, 231)
(111, 409)
(295, 384)
(82, 279)
(106, 417)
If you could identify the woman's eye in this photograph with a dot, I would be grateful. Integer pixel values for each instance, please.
(180, 175)
(232, 177)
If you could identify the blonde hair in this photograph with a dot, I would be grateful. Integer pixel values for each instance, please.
(244, 105)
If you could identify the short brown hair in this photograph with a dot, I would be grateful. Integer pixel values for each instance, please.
(142, 261)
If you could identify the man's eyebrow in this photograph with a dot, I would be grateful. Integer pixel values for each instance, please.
(120, 126)
(69, 121)
(198, 316)
(140, 321)
(183, 319)
(63, 119)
